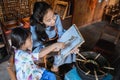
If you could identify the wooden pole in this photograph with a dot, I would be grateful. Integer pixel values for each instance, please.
(81, 56)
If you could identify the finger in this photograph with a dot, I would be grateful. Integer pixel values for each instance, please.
(75, 51)
(78, 45)
(59, 52)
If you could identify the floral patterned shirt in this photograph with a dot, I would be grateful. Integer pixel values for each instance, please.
(25, 67)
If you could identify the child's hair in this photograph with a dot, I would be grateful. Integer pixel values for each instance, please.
(39, 11)
(19, 36)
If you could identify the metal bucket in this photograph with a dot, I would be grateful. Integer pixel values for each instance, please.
(93, 67)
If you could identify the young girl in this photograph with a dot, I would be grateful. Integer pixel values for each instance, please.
(24, 59)
(46, 28)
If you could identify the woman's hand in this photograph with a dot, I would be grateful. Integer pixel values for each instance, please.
(59, 46)
(75, 50)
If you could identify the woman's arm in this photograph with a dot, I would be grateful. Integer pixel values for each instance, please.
(59, 26)
(53, 47)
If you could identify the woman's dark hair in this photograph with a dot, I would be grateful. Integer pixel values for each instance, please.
(39, 11)
(19, 36)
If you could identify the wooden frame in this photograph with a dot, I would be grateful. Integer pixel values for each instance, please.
(61, 7)
(74, 38)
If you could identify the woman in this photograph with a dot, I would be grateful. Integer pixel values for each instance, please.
(46, 28)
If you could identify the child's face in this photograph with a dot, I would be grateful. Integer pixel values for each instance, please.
(49, 18)
(28, 43)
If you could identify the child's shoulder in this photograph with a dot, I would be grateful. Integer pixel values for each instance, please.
(21, 52)
(23, 55)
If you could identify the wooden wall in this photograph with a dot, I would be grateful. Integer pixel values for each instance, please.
(88, 11)
(17, 9)
(99, 9)
(112, 2)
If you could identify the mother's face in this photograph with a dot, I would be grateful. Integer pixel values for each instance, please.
(49, 18)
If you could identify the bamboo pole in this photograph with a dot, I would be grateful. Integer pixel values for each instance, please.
(87, 72)
(102, 71)
(96, 77)
(108, 68)
(97, 56)
(81, 56)
(80, 60)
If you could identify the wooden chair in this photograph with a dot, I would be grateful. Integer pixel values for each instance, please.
(26, 22)
(10, 68)
(10, 25)
(9, 52)
(61, 8)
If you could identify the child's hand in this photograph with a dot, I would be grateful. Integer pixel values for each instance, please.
(59, 46)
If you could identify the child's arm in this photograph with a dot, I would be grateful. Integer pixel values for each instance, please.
(48, 49)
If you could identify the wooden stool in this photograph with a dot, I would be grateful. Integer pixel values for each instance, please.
(107, 41)
(106, 48)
